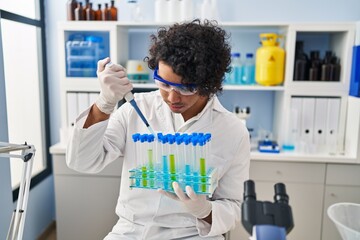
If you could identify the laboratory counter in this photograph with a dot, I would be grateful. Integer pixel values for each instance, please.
(313, 183)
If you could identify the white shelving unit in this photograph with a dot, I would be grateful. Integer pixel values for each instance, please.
(127, 37)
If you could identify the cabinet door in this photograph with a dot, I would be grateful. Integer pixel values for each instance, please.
(336, 194)
(85, 206)
(306, 203)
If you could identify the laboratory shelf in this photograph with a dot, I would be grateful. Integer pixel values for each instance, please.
(253, 88)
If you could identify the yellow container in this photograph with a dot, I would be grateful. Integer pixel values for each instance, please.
(270, 61)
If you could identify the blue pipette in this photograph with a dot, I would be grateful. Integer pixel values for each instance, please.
(129, 97)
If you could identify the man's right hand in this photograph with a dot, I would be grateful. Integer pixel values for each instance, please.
(114, 85)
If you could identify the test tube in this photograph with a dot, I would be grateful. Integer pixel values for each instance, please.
(172, 163)
(187, 159)
(179, 159)
(151, 158)
(135, 138)
(195, 163)
(164, 150)
(143, 140)
(202, 160)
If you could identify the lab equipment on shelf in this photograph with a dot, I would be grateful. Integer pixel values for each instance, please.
(234, 77)
(173, 157)
(270, 60)
(248, 72)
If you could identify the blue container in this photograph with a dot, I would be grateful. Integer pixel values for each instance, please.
(355, 73)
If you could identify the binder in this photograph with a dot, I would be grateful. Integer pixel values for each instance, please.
(332, 124)
(71, 107)
(307, 121)
(321, 105)
(92, 97)
(355, 73)
(294, 126)
(83, 101)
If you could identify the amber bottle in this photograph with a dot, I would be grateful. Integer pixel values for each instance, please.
(87, 5)
(90, 13)
(79, 12)
(106, 13)
(71, 5)
(98, 13)
(113, 12)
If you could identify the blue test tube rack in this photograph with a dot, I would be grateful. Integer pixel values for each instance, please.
(173, 157)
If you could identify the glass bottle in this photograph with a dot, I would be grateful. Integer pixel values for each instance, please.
(71, 6)
(315, 64)
(248, 73)
(79, 12)
(106, 13)
(98, 13)
(301, 63)
(86, 7)
(90, 13)
(113, 12)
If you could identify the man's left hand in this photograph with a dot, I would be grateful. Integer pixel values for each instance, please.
(197, 205)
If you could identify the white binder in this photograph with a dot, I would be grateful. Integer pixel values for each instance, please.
(307, 121)
(92, 97)
(332, 124)
(83, 101)
(71, 107)
(295, 121)
(321, 105)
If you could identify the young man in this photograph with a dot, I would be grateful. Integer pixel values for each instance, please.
(189, 62)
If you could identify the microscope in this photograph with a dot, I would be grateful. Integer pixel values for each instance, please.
(265, 220)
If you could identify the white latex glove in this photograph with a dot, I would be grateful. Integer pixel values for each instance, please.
(197, 205)
(114, 85)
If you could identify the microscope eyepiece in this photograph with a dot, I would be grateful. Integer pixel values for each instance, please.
(249, 190)
(280, 193)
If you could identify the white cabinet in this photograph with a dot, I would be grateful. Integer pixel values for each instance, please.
(84, 203)
(342, 185)
(305, 187)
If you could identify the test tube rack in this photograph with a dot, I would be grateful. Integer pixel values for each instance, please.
(173, 157)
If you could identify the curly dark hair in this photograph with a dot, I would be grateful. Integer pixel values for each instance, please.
(198, 52)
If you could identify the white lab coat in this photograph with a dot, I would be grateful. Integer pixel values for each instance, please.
(147, 214)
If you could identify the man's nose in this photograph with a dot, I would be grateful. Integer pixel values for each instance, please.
(174, 96)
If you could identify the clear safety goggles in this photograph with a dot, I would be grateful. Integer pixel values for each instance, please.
(187, 90)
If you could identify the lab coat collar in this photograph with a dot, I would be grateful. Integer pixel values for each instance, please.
(202, 120)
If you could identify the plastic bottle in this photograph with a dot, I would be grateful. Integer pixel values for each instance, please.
(325, 67)
(113, 12)
(71, 5)
(173, 10)
(335, 69)
(234, 77)
(160, 11)
(248, 76)
(136, 14)
(301, 63)
(79, 12)
(315, 63)
(270, 61)
(90, 13)
(186, 10)
(98, 13)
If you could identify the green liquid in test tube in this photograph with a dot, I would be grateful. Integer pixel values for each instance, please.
(151, 167)
(172, 167)
(203, 174)
(144, 176)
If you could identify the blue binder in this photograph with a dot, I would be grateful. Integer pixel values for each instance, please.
(355, 73)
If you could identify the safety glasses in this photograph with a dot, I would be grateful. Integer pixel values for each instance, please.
(183, 89)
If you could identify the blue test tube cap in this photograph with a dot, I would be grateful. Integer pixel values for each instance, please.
(208, 137)
(143, 138)
(165, 139)
(171, 138)
(150, 138)
(194, 140)
(202, 141)
(186, 138)
(179, 139)
(136, 137)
